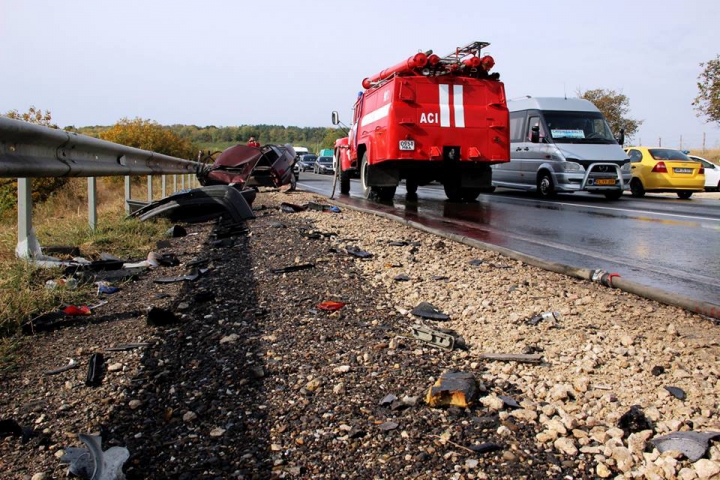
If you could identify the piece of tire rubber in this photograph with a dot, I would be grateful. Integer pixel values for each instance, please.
(200, 205)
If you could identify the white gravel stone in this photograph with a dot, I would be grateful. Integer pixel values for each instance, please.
(232, 338)
(492, 402)
(134, 404)
(115, 367)
(217, 432)
(705, 468)
(602, 470)
(189, 416)
(566, 446)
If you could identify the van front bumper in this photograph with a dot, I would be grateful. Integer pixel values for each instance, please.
(597, 178)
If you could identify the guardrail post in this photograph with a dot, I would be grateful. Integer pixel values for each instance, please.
(92, 203)
(28, 245)
(128, 195)
(175, 183)
(182, 182)
(164, 186)
(150, 191)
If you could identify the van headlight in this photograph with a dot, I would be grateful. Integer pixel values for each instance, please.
(626, 168)
(573, 167)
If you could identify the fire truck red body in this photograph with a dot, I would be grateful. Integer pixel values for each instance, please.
(427, 119)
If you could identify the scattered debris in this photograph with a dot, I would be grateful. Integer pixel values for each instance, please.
(199, 205)
(330, 306)
(106, 289)
(94, 374)
(634, 420)
(193, 275)
(429, 311)
(388, 426)
(508, 402)
(291, 208)
(396, 243)
(293, 268)
(657, 370)
(487, 447)
(75, 311)
(677, 392)
(693, 445)
(453, 388)
(435, 337)
(544, 316)
(92, 462)
(71, 364)
(158, 317)
(322, 208)
(476, 262)
(387, 400)
(513, 357)
(165, 259)
(357, 252)
(127, 346)
(176, 231)
(402, 278)
(437, 278)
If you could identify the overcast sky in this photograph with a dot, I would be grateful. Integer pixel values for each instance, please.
(293, 62)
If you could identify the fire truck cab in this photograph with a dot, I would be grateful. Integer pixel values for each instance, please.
(427, 119)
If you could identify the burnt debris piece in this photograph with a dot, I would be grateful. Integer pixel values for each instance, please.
(676, 392)
(293, 268)
(159, 317)
(634, 420)
(199, 205)
(429, 311)
(453, 389)
(291, 208)
(693, 445)
(94, 463)
(438, 337)
(95, 370)
(176, 231)
(358, 252)
(71, 364)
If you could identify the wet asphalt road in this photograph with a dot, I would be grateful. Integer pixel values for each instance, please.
(658, 241)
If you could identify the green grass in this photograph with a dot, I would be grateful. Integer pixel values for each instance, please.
(63, 221)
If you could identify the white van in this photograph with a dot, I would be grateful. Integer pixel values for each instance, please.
(562, 145)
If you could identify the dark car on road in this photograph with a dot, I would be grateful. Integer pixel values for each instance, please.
(307, 162)
(324, 165)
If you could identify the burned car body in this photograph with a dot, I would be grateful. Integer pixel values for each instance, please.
(267, 166)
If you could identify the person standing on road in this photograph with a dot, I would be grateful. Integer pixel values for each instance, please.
(253, 143)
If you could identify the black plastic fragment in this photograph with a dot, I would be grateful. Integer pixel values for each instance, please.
(357, 252)
(429, 311)
(95, 370)
(10, 428)
(437, 278)
(168, 260)
(402, 278)
(293, 268)
(657, 370)
(398, 243)
(634, 420)
(291, 208)
(509, 401)
(191, 276)
(158, 317)
(487, 447)
(476, 262)
(677, 392)
(176, 231)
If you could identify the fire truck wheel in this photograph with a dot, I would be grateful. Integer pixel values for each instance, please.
(367, 191)
(384, 194)
(470, 194)
(344, 182)
(411, 186)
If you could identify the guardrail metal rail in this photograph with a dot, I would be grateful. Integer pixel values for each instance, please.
(32, 151)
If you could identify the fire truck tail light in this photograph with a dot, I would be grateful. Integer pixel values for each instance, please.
(487, 62)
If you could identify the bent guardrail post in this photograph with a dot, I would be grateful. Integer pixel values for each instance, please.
(128, 194)
(33, 151)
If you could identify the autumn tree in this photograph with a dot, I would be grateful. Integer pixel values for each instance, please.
(614, 107)
(149, 135)
(707, 103)
(42, 188)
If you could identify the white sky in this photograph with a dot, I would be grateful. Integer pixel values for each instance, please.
(292, 62)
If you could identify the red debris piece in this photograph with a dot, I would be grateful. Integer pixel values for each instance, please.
(330, 306)
(74, 311)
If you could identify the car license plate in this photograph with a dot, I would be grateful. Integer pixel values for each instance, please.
(407, 144)
(682, 170)
(605, 181)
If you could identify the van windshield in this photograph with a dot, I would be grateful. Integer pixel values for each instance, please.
(578, 127)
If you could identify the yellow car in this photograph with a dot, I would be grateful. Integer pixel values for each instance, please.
(664, 170)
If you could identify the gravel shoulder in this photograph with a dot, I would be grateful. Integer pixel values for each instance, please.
(255, 381)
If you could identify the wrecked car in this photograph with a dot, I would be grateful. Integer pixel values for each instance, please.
(243, 166)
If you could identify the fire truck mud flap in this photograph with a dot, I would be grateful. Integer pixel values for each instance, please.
(385, 174)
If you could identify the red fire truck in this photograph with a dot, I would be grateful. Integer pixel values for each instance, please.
(428, 118)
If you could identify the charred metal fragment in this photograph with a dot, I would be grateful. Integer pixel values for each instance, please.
(95, 370)
(199, 205)
(429, 311)
(293, 268)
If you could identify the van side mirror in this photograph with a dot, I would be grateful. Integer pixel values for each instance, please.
(335, 118)
(621, 138)
(535, 134)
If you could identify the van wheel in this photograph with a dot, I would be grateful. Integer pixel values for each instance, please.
(684, 195)
(636, 188)
(545, 185)
(614, 195)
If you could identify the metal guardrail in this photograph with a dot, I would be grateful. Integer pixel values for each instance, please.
(33, 151)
